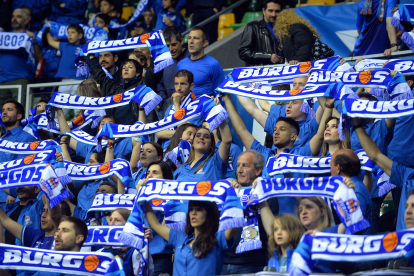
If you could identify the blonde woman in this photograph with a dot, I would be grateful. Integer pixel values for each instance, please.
(296, 35)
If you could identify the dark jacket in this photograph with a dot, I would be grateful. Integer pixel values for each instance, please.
(110, 87)
(257, 44)
(300, 43)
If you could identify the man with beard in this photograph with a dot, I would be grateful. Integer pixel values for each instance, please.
(14, 65)
(107, 60)
(12, 114)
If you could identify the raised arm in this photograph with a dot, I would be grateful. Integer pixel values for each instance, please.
(136, 152)
(55, 212)
(10, 225)
(267, 217)
(154, 224)
(51, 41)
(372, 149)
(226, 139)
(237, 123)
(264, 105)
(64, 127)
(253, 110)
(317, 140)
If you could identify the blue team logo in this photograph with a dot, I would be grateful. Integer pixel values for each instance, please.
(27, 221)
(78, 49)
(346, 208)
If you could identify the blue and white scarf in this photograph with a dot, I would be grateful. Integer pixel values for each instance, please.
(348, 248)
(119, 167)
(83, 137)
(26, 148)
(60, 30)
(141, 7)
(370, 63)
(180, 154)
(202, 106)
(404, 13)
(404, 66)
(110, 202)
(291, 163)
(216, 191)
(81, 263)
(104, 235)
(378, 110)
(374, 79)
(174, 212)
(154, 41)
(344, 200)
(142, 95)
(283, 74)
(15, 41)
(383, 182)
(334, 90)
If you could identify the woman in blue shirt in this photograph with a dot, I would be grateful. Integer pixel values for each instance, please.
(205, 162)
(199, 247)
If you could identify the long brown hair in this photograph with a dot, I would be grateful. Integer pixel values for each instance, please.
(345, 144)
(323, 208)
(294, 228)
(206, 240)
(210, 154)
(88, 88)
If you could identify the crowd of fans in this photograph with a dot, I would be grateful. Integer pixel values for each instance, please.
(280, 37)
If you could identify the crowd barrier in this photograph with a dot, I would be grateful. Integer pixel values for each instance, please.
(14, 86)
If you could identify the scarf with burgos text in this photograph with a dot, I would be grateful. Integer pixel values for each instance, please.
(15, 41)
(154, 41)
(202, 106)
(215, 191)
(344, 200)
(349, 248)
(404, 66)
(80, 263)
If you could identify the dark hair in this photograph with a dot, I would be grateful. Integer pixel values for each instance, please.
(77, 28)
(105, 18)
(345, 144)
(118, 9)
(24, 7)
(293, 124)
(185, 73)
(165, 169)
(281, 87)
(138, 67)
(172, 32)
(112, 185)
(210, 154)
(350, 166)
(410, 192)
(206, 239)
(42, 100)
(65, 209)
(79, 226)
(364, 94)
(100, 156)
(410, 78)
(203, 30)
(111, 2)
(158, 148)
(139, 55)
(19, 107)
(279, 2)
(176, 138)
(105, 117)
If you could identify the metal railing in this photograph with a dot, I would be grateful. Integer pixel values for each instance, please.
(14, 86)
(29, 93)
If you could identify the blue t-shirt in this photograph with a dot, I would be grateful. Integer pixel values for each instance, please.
(158, 245)
(15, 64)
(213, 169)
(36, 239)
(122, 149)
(331, 230)
(186, 264)
(364, 199)
(374, 36)
(377, 131)
(402, 142)
(235, 151)
(208, 74)
(86, 194)
(67, 67)
(286, 203)
(53, 57)
(403, 177)
(308, 128)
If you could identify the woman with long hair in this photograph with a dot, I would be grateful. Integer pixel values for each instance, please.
(296, 36)
(331, 141)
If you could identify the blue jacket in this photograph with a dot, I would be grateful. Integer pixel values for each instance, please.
(274, 261)
(72, 13)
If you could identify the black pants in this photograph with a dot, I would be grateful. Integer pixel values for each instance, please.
(201, 14)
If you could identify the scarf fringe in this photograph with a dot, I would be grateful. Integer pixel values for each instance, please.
(356, 227)
(65, 179)
(248, 246)
(409, 40)
(305, 108)
(163, 64)
(131, 240)
(82, 70)
(221, 116)
(155, 100)
(51, 124)
(396, 23)
(353, 95)
(59, 198)
(378, 92)
(95, 122)
(231, 223)
(179, 225)
(385, 188)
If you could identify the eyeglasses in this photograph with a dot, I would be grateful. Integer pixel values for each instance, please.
(44, 210)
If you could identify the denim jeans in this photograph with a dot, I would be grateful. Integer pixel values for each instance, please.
(229, 269)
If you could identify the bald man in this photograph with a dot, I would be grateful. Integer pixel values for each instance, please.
(346, 163)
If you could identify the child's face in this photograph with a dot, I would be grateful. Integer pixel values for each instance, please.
(99, 22)
(280, 234)
(74, 37)
(105, 7)
(166, 4)
(148, 17)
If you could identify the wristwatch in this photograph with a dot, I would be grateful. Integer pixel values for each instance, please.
(393, 45)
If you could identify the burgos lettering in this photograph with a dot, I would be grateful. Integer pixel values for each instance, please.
(103, 235)
(62, 98)
(321, 76)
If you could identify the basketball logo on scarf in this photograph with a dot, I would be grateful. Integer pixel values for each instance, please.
(34, 145)
(365, 77)
(104, 168)
(295, 92)
(157, 202)
(305, 67)
(346, 208)
(179, 114)
(29, 159)
(145, 37)
(117, 98)
(193, 97)
(79, 120)
(203, 187)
